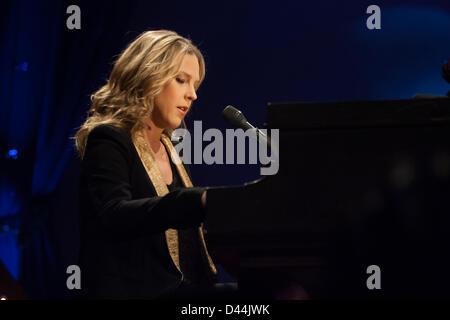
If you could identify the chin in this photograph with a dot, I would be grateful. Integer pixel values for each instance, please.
(175, 124)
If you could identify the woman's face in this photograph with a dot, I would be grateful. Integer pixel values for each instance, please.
(174, 101)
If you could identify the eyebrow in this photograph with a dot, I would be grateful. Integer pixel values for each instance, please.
(188, 75)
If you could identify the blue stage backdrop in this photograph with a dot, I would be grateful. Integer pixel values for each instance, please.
(256, 52)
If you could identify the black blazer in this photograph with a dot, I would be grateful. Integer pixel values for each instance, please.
(124, 253)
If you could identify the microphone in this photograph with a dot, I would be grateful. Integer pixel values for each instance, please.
(237, 119)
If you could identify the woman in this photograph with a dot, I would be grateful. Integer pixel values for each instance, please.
(141, 219)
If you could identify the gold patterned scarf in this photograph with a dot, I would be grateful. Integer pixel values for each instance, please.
(158, 182)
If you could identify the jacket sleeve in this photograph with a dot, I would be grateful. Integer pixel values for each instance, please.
(106, 172)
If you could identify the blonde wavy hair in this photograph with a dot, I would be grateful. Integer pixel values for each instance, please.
(138, 76)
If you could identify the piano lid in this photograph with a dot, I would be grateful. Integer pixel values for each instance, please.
(303, 115)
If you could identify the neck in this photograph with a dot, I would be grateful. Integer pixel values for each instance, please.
(153, 134)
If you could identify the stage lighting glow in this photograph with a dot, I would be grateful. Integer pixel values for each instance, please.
(12, 154)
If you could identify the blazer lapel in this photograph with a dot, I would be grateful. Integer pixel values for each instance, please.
(152, 169)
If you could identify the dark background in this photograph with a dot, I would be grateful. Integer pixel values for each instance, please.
(256, 52)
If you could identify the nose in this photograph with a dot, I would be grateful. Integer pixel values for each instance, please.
(191, 94)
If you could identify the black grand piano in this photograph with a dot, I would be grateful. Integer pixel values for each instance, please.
(361, 185)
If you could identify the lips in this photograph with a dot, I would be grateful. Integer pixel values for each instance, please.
(183, 109)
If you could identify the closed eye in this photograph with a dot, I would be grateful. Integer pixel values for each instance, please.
(180, 80)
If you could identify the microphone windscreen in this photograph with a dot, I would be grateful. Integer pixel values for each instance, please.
(234, 117)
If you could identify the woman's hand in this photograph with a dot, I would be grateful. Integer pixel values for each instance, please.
(204, 198)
